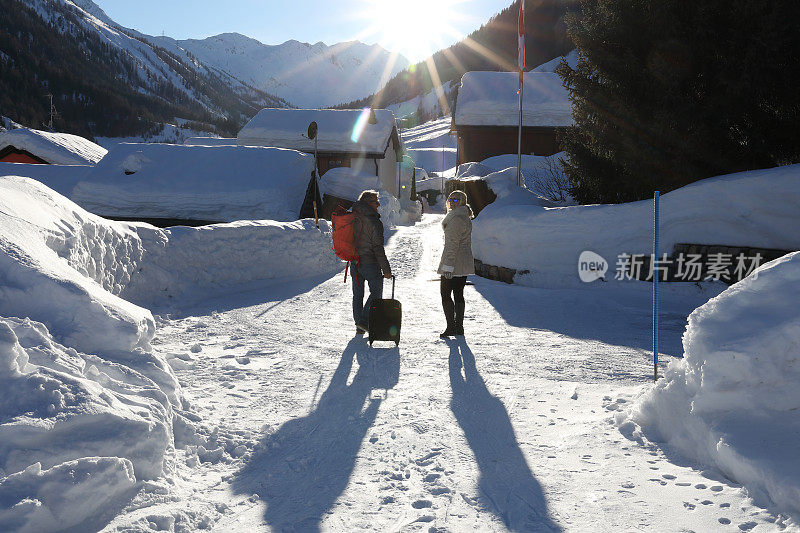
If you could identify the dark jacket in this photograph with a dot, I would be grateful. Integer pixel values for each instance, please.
(368, 231)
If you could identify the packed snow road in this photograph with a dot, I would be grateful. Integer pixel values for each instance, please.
(306, 427)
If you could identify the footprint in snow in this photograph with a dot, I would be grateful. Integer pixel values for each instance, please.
(725, 521)
(747, 526)
(422, 504)
(689, 506)
(668, 476)
(700, 486)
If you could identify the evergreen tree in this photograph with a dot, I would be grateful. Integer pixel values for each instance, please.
(667, 92)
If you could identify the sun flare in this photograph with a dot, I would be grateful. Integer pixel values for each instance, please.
(413, 28)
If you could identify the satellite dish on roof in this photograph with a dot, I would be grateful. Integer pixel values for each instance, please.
(312, 130)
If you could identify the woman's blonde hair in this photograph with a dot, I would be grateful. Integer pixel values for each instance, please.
(462, 200)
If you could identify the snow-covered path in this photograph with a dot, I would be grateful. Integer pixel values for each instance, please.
(509, 429)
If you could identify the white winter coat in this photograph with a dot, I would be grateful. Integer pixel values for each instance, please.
(457, 254)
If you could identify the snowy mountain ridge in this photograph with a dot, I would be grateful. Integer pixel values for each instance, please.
(307, 75)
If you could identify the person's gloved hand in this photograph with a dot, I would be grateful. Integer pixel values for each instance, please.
(448, 275)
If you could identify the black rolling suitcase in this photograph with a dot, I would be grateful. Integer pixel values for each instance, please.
(385, 317)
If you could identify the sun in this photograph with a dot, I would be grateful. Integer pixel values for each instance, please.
(414, 28)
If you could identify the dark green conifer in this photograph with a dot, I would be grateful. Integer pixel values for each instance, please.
(667, 92)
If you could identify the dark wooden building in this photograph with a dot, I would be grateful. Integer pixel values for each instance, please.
(486, 115)
(12, 154)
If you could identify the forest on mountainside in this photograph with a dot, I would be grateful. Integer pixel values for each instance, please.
(491, 47)
(99, 89)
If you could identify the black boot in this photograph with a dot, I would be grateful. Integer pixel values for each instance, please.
(458, 324)
(449, 332)
(449, 315)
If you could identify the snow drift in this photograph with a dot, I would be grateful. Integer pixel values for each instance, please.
(759, 208)
(65, 267)
(214, 183)
(184, 262)
(86, 407)
(733, 400)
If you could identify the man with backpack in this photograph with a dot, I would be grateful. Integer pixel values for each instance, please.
(372, 262)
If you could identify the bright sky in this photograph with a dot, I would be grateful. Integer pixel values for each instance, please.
(414, 28)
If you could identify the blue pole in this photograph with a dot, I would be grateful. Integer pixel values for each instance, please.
(655, 288)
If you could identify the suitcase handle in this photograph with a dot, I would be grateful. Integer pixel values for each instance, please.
(392, 286)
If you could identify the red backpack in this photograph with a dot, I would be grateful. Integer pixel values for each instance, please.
(344, 239)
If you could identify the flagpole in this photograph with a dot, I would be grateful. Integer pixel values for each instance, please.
(519, 139)
(521, 66)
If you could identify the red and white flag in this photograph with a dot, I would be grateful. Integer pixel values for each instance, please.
(521, 41)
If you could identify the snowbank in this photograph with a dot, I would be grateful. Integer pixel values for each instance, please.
(543, 175)
(733, 401)
(185, 262)
(55, 148)
(66, 496)
(86, 408)
(61, 405)
(504, 185)
(215, 183)
(60, 178)
(758, 208)
(65, 267)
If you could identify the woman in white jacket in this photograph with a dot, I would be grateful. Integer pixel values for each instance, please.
(457, 262)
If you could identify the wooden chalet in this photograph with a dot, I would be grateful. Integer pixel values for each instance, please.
(365, 140)
(486, 115)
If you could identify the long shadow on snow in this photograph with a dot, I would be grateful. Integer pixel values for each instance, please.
(620, 318)
(302, 468)
(506, 483)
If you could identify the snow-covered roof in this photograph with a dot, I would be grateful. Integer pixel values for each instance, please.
(347, 183)
(218, 183)
(550, 66)
(491, 99)
(210, 141)
(55, 148)
(339, 130)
